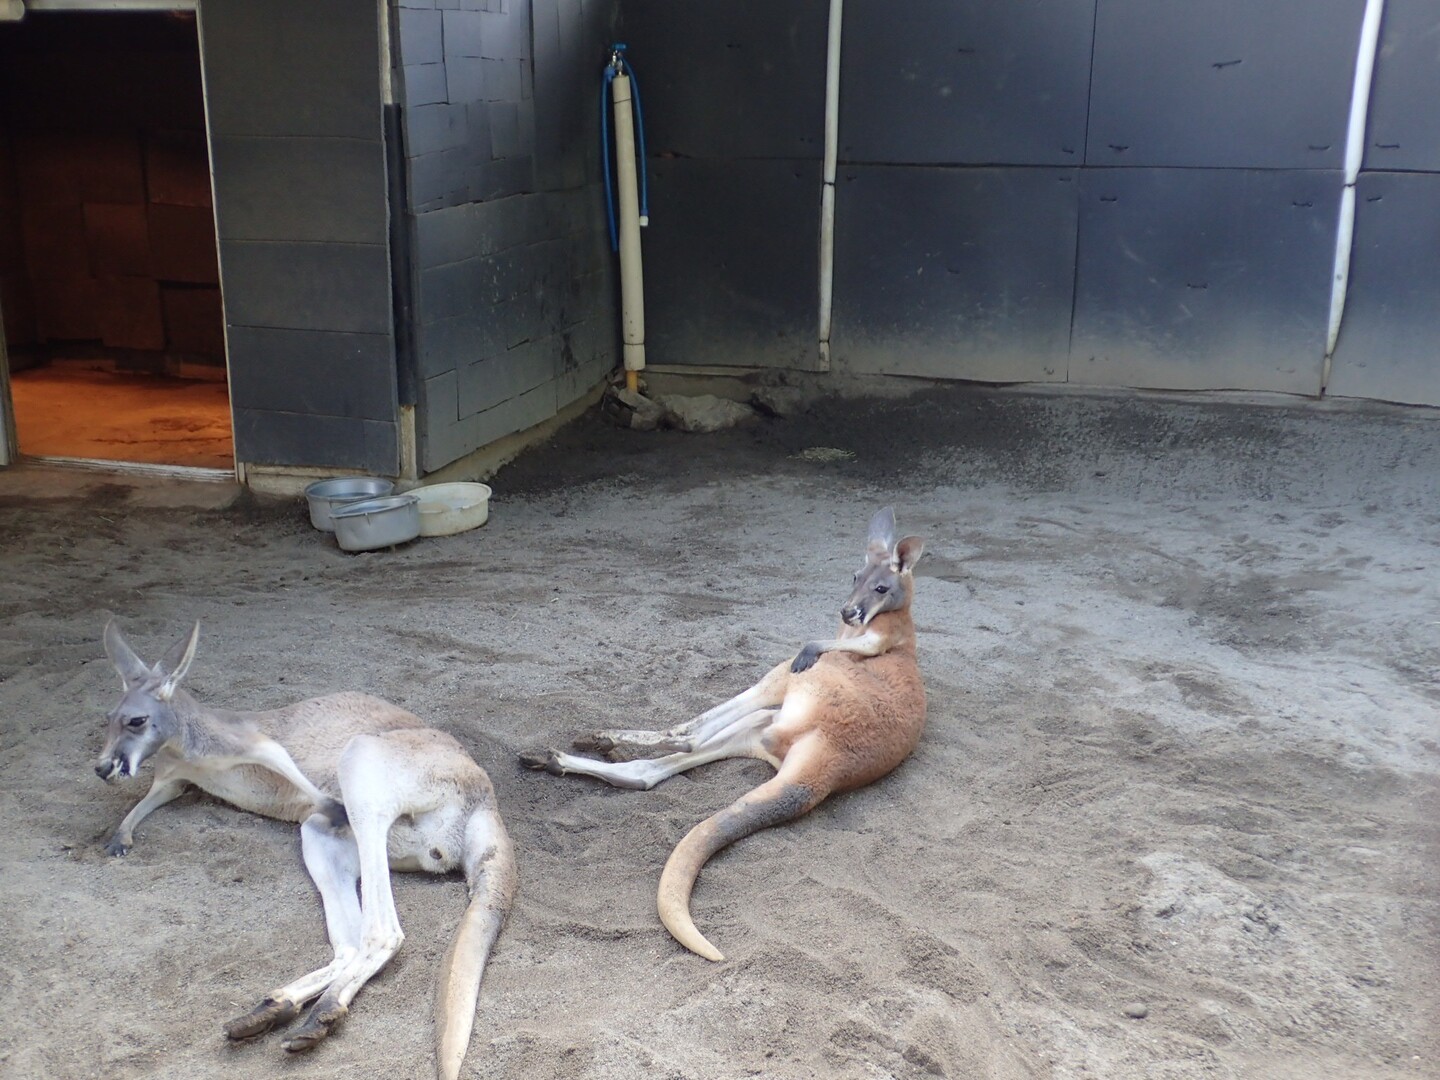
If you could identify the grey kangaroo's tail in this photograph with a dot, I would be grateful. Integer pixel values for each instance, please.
(491, 879)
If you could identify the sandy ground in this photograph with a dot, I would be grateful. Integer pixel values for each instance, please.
(69, 409)
(1182, 752)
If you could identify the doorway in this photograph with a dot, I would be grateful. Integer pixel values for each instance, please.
(109, 280)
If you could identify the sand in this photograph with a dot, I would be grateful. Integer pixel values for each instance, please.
(1174, 814)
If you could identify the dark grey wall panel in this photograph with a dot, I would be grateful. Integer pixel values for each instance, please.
(301, 206)
(731, 263)
(339, 287)
(1404, 119)
(338, 442)
(318, 373)
(1389, 344)
(729, 80)
(1223, 83)
(1204, 278)
(301, 189)
(275, 67)
(937, 81)
(955, 273)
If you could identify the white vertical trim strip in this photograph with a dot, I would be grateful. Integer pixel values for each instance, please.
(1354, 157)
(827, 188)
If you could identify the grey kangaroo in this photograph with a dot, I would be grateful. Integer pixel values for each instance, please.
(373, 789)
(839, 715)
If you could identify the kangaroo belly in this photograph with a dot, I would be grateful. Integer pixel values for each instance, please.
(255, 789)
(869, 711)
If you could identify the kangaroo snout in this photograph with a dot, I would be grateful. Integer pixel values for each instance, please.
(852, 614)
(109, 768)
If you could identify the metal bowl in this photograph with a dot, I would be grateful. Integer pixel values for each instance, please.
(327, 496)
(377, 523)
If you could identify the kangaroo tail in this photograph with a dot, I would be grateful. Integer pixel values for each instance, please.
(491, 880)
(778, 800)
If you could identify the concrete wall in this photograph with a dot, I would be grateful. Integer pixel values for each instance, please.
(509, 284)
(301, 203)
(1103, 191)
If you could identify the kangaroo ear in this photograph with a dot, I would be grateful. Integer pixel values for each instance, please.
(882, 529)
(175, 663)
(131, 668)
(907, 553)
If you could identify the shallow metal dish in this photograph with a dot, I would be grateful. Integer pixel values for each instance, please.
(326, 496)
(377, 523)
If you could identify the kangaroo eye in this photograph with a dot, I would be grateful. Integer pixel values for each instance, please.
(137, 722)
(882, 589)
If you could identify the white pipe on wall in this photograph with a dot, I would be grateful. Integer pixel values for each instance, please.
(827, 186)
(632, 276)
(1354, 157)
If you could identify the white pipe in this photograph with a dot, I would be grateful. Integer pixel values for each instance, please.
(1354, 157)
(827, 188)
(632, 276)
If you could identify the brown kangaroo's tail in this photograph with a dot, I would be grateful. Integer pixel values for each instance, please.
(777, 800)
(491, 880)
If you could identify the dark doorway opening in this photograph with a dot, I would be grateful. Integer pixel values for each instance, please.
(109, 281)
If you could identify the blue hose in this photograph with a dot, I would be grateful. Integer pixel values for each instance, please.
(618, 63)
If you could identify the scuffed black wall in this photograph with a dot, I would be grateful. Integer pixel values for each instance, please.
(1103, 191)
(511, 284)
(734, 104)
(1389, 344)
(300, 195)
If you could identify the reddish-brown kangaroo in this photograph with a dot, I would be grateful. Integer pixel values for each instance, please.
(842, 713)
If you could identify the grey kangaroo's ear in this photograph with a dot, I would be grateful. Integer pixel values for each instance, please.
(907, 553)
(175, 663)
(131, 668)
(882, 529)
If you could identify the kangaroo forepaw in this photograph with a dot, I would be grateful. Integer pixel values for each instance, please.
(805, 659)
(319, 1022)
(266, 1016)
(117, 847)
(542, 759)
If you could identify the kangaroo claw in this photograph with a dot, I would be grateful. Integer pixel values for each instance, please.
(542, 759)
(266, 1016)
(319, 1022)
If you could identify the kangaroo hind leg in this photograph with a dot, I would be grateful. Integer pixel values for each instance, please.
(741, 738)
(377, 785)
(687, 737)
(334, 864)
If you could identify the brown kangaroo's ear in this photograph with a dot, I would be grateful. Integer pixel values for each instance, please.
(908, 552)
(131, 668)
(882, 529)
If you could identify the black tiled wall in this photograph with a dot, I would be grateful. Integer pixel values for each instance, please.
(1107, 191)
(301, 206)
(511, 279)
(734, 108)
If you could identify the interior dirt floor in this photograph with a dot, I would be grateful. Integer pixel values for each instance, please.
(1174, 814)
(72, 409)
